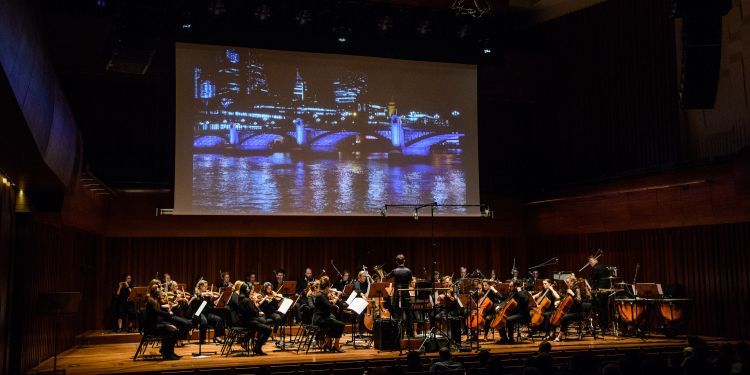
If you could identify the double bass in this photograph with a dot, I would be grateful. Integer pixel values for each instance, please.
(476, 320)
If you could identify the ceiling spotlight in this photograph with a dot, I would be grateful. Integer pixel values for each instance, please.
(303, 17)
(341, 39)
(385, 24)
(486, 212)
(487, 50)
(343, 34)
(263, 12)
(424, 27)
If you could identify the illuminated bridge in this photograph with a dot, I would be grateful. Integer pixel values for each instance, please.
(407, 140)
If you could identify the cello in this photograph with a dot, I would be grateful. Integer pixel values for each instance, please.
(476, 320)
(506, 309)
(562, 309)
(537, 312)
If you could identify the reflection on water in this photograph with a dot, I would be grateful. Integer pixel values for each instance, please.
(284, 183)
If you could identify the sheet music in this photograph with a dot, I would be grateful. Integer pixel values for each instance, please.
(286, 303)
(658, 287)
(351, 298)
(358, 305)
(200, 309)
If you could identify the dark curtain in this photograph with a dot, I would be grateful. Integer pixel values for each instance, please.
(49, 258)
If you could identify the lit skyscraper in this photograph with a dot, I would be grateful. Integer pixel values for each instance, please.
(256, 82)
(300, 89)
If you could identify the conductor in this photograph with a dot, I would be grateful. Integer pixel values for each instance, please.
(402, 303)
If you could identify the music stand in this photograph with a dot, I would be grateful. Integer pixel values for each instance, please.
(357, 306)
(201, 353)
(289, 288)
(648, 290)
(56, 303)
(283, 309)
(377, 290)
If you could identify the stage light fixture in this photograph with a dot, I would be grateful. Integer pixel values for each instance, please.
(303, 17)
(263, 13)
(384, 212)
(385, 24)
(416, 214)
(424, 27)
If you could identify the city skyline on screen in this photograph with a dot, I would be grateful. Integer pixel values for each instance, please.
(287, 124)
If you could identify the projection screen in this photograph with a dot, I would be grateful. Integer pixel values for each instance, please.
(263, 132)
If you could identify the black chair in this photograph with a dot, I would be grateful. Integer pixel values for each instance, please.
(235, 333)
(147, 339)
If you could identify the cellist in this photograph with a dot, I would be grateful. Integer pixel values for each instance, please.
(575, 310)
(548, 290)
(487, 291)
(520, 316)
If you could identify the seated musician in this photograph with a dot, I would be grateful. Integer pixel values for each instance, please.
(343, 282)
(270, 305)
(306, 278)
(307, 303)
(548, 291)
(245, 312)
(123, 307)
(279, 280)
(493, 295)
(323, 316)
(167, 285)
(226, 280)
(520, 316)
(173, 303)
(208, 317)
(447, 309)
(155, 321)
(574, 312)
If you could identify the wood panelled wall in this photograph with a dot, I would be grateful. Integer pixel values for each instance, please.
(7, 235)
(49, 258)
(711, 262)
(187, 259)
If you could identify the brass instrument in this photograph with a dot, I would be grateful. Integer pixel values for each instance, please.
(380, 272)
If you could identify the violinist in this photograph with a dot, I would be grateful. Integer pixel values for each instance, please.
(575, 310)
(123, 307)
(208, 316)
(402, 276)
(243, 305)
(548, 291)
(173, 303)
(226, 280)
(279, 280)
(343, 282)
(306, 278)
(270, 304)
(323, 316)
(492, 294)
(447, 309)
(156, 321)
(167, 285)
(520, 316)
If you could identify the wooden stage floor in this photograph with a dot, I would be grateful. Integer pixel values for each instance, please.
(117, 358)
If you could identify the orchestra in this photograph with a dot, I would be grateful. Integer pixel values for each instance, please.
(471, 306)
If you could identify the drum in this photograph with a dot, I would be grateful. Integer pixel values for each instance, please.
(673, 310)
(386, 334)
(631, 310)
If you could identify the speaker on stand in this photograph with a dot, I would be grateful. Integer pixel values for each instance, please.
(701, 50)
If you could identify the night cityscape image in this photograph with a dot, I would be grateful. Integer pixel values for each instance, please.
(306, 134)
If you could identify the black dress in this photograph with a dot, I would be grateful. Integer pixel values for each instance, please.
(323, 317)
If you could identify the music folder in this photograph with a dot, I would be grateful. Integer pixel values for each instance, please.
(358, 305)
(351, 298)
(286, 303)
(200, 308)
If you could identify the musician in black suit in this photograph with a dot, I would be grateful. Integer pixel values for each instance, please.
(306, 278)
(600, 280)
(251, 317)
(343, 282)
(402, 276)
